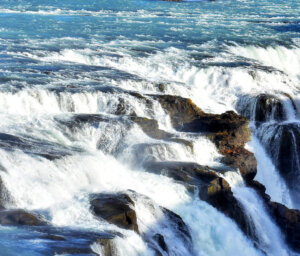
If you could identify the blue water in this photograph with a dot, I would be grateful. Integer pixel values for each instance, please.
(63, 57)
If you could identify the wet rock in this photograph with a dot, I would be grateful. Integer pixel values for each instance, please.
(161, 242)
(229, 131)
(4, 195)
(289, 222)
(282, 142)
(150, 127)
(235, 155)
(261, 108)
(268, 107)
(182, 111)
(117, 209)
(287, 219)
(107, 247)
(179, 225)
(20, 217)
(212, 188)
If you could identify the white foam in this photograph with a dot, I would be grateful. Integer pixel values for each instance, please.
(279, 57)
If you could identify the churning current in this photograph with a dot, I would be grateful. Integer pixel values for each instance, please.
(146, 127)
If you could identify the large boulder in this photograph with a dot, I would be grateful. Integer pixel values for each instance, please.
(20, 217)
(117, 209)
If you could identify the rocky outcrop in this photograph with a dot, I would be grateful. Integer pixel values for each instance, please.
(262, 108)
(229, 131)
(117, 209)
(18, 217)
(287, 219)
(212, 188)
(231, 145)
(282, 142)
(268, 107)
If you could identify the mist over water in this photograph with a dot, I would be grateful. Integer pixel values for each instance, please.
(62, 59)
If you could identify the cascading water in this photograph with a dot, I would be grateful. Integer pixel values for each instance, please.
(79, 117)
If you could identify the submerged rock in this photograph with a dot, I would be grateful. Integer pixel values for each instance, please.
(117, 209)
(56, 240)
(20, 217)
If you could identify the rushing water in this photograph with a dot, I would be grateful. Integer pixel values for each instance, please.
(59, 58)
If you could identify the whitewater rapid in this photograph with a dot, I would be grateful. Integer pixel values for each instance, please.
(96, 59)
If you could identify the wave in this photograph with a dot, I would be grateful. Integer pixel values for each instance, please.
(279, 57)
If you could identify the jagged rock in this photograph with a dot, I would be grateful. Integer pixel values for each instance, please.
(20, 217)
(229, 131)
(287, 219)
(212, 188)
(181, 110)
(117, 209)
(235, 155)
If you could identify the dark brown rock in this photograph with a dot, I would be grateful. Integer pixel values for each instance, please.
(20, 217)
(229, 131)
(212, 188)
(117, 209)
(107, 246)
(287, 219)
(289, 222)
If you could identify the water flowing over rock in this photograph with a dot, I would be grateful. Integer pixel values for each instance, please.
(287, 219)
(262, 108)
(115, 208)
(229, 131)
(212, 188)
(282, 141)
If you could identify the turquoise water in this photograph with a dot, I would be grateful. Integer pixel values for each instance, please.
(59, 58)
